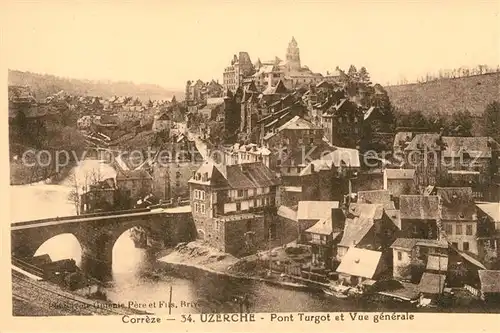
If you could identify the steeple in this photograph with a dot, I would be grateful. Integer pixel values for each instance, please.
(293, 56)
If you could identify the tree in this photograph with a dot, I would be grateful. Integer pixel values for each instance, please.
(491, 120)
(461, 123)
(363, 76)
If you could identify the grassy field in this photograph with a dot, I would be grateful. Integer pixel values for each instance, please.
(447, 96)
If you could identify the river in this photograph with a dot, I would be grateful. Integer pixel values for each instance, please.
(131, 278)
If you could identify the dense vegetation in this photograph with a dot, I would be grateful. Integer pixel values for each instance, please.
(45, 85)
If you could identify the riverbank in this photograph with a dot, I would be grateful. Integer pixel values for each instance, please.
(192, 259)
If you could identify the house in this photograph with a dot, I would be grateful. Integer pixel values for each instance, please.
(244, 153)
(324, 235)
(489, 285)
(488, 231)
(310, 212)
(412, 256)
(419, 215)
(437, 158)
(399, 182)
(342, 123)
(366, 226)
(359, 265)
(329, 177)
(134, 184)
(458, 217)
(214, 109)
(244, 194)
(162, 122)
(424, 154)
(99, 197)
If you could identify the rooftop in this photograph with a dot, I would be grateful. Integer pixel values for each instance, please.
(491, 209)
(418, 207)
(315, 210)
(490, 281)
(360, 262)
(432, 283)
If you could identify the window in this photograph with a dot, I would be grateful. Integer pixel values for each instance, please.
(202, 206)
(278, 162)
(238, 206)
(459, 229)
(448, 228)
(289, 170)
(468, 229)
(466, 246)
(202, 195)
(400, 256)
(196, 207)
(240, 193)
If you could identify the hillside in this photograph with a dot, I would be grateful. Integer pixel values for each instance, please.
(45, 85)
(447, 95)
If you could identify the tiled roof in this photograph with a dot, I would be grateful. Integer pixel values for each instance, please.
(315, 210)
(374, 197)
(360, 262)
(457, 202)
(297, 123)
(355, 230)
(249, 175)
(400, 173)
(418, 207)
(490, 281)
(409, 243)
(241, 176)
(404, 243)
(492, 209)
(432, 283)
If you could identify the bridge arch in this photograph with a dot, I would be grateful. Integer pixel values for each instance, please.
(68, 247)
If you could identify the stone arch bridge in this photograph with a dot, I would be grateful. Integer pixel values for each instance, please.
(97, 233)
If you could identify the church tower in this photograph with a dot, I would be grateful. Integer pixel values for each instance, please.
(293, 56)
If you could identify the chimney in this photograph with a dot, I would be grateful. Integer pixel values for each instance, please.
(270, 80)
(312, 167)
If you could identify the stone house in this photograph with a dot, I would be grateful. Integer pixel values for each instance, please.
(329, 177)
(222, 194)
(360, 265)
(323, 238)
(458, 217)
(309, 213)
(366, 226)
(342, 123)
(419, 215)
(411, 257)
(399, 182)
(134, 184)
(162, 122)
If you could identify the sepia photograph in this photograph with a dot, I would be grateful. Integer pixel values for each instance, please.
(210, 161)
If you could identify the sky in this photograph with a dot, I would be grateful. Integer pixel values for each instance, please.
(170, 42)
